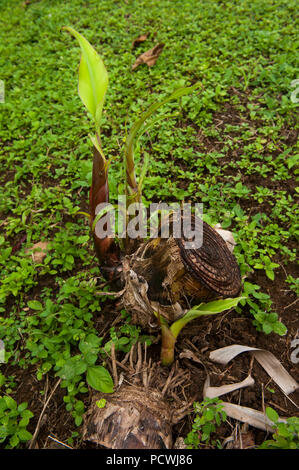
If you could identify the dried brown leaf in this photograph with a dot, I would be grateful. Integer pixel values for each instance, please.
(38, 251)
(140, 39)
(212, 392)
(253, 417)
(149, 57)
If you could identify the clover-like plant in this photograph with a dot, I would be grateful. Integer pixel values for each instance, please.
(14, 420)
(209, 414)
(286, 433)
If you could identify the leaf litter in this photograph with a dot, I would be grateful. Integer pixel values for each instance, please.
(149, 57)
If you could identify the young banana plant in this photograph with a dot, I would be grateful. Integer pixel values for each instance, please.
(170, 333)
(92, 87)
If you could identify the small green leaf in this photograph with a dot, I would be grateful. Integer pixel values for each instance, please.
(83, 238)
(10, 403)
(270, 274)
(99, 378)
(282, 430)
(24, 435)
(209, 415)
(272, 415)
(280, 328)
(35, 305)
(14, 440)
(78, 420)
(90, 344)
(101, 403)
(27, 414)
(73, 367)
(22, 407)
(267, 327)
(217, 419)
(24, 422)
(272, 317)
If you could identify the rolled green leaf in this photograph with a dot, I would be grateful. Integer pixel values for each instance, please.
(93, 78)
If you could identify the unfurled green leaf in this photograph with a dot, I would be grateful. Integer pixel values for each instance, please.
(217, 306)
(93, 78)
(210, 308)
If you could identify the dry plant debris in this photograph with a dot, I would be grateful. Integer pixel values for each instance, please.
(149, 57)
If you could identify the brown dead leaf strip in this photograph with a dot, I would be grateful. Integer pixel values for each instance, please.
(254, 418)
(140, 39)
(149, 57)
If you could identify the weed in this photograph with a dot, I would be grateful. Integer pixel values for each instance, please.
(14, 420)
(286, 434)
(126, 335)
(242, 131)
(209, 415)
(260, 307)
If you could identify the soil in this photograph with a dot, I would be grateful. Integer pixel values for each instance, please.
(201, 337)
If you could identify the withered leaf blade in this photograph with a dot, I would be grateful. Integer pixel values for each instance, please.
(253, 417)
(149, 57)
(140, 39)
(266, 359)
(213, 392)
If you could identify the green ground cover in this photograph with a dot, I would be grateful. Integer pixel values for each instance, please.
(231, 145)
